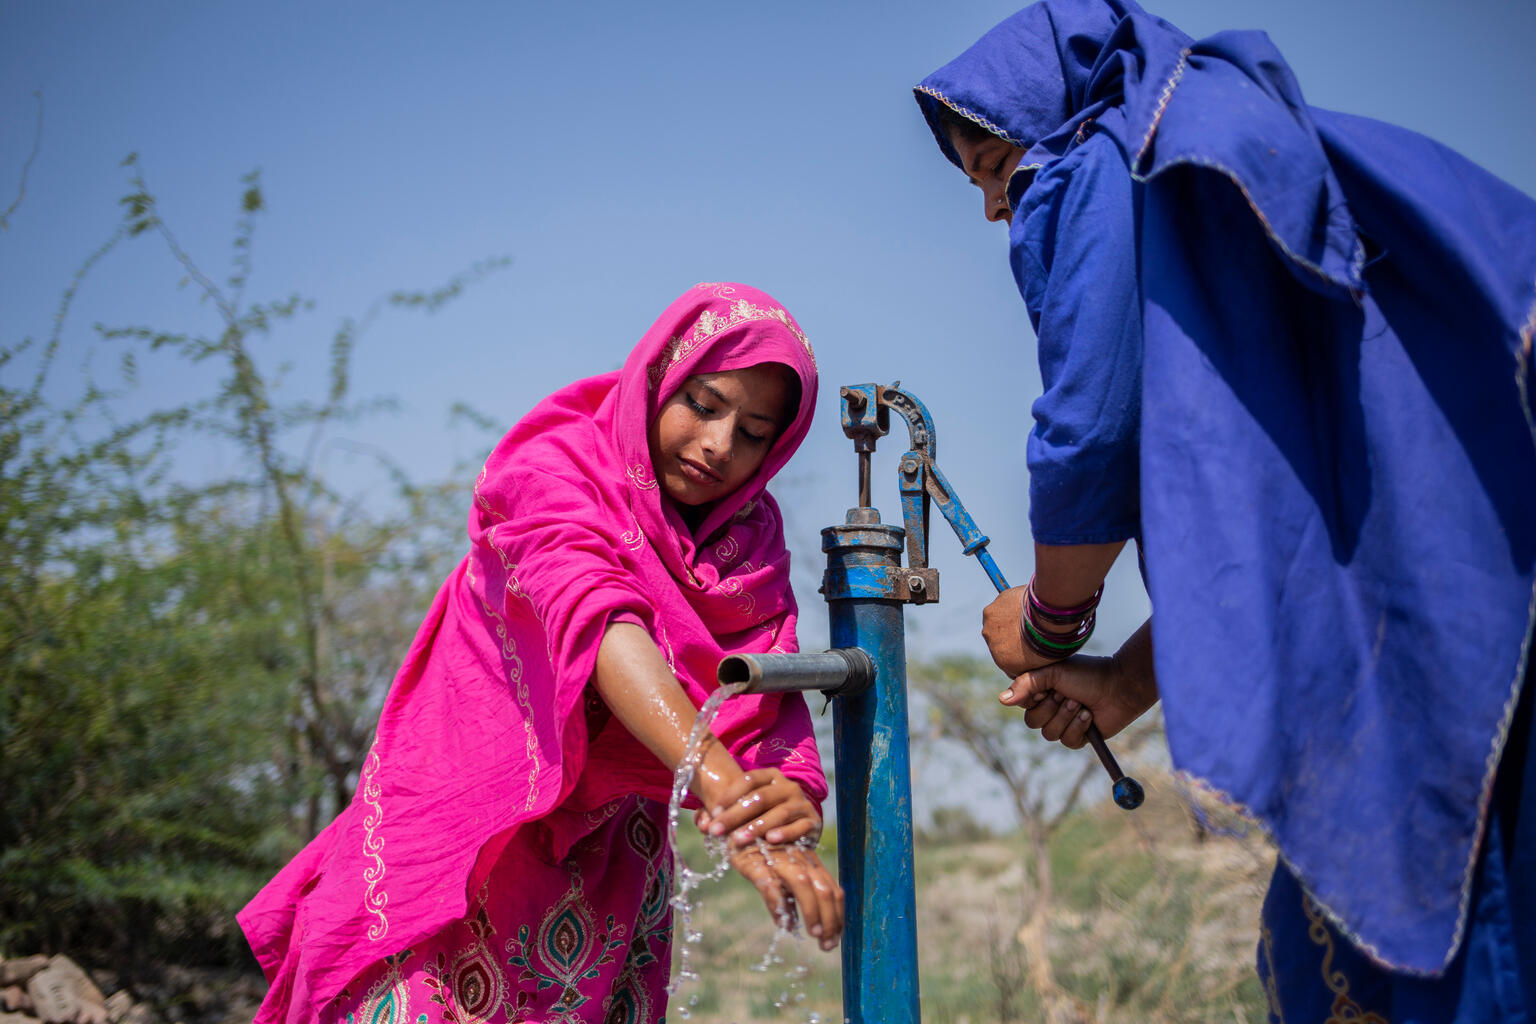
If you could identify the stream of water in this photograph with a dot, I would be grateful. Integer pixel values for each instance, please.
(685, 881)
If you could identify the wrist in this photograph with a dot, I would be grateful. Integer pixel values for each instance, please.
(716, 776)
(1054, 632)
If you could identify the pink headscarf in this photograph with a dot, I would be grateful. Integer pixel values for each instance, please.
(483, 731)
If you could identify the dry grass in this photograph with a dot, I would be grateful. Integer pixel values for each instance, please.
(1152, 923)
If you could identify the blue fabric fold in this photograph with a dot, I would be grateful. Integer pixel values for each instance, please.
(1335, 450)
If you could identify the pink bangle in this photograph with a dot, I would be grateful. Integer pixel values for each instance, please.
(1061, 616)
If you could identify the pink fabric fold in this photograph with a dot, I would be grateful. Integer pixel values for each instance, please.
(484, 730)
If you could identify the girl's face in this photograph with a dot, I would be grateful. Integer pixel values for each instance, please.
(989, 164)
(714, 432)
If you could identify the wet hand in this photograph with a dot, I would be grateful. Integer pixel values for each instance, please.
(762, 804)
(1062, 699)
(794, 884)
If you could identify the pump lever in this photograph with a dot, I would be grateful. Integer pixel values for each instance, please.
(865, 420)
(1128, 793)
(918, 470)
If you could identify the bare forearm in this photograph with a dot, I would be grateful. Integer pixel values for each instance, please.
(1136, 668)
(634, 681)
(1067, 575)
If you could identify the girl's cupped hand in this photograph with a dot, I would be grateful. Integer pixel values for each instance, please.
(762, 804)
(794, 883)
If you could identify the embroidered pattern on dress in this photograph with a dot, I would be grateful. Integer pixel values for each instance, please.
(371, 791)
(641, 475)
(1345, 1010)
(388, 1001)
(596, 817)
(727, 549)
(569, 947)
(1271, 986)
(472, 987)
(631, 1000)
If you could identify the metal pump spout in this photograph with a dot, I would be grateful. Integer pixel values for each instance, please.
(842, 672)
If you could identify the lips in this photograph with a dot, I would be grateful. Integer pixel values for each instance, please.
(698, 472)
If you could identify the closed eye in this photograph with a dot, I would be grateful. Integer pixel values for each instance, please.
(702, 410)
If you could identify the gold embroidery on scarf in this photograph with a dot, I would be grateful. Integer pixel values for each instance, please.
(633, 539)
(733, 587)
(480, 498)
(740, 312)
(709, 324)
(513, 587)
(508, 645)
(371, 791)
(666, 645)
(642, 477)
(519, 686)
(787, 754)
(771, 634)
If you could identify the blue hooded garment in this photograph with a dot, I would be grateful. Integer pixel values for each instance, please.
(1289, 350)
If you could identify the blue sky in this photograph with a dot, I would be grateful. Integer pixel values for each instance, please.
(618, 153)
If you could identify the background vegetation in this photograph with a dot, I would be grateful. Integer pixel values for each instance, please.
(189, 668)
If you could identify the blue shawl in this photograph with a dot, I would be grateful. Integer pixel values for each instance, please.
(1290, 350)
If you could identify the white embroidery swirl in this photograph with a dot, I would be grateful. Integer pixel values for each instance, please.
(373, 846)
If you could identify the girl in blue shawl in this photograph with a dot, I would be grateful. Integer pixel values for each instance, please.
(1289, 352)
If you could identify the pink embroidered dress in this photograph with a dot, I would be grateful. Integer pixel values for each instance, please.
(504, 856)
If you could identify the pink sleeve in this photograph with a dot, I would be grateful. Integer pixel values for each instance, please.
(788, 744)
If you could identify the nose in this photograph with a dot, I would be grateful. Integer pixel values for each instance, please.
(995, 202)
(717, 438)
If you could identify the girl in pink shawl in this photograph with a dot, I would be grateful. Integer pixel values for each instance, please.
(505, 855)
